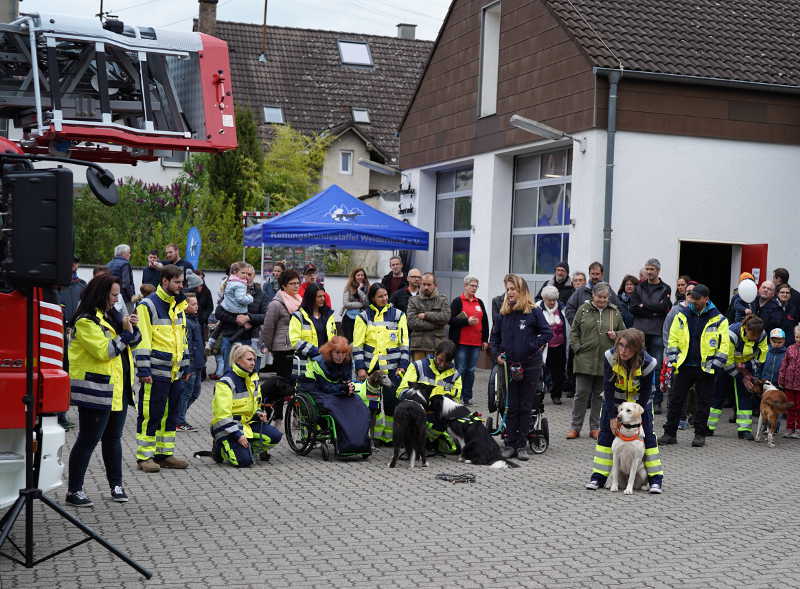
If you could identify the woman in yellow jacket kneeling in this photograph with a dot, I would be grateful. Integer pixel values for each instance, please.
(101, 384)
(236, 415)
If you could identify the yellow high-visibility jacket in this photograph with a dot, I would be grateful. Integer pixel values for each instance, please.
(163, 352)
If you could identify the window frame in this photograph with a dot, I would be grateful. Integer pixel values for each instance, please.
(349, 170)
(482, 62)
(361, 110)
(339, 43)
(451, 275)
(279, 109)
(536, 280)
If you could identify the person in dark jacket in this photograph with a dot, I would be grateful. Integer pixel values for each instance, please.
(583, 293)
(245, 327)
(205, 302)
(766, 307)
(517, 341)
(770, 369)
(737, 308)
(120, 267)
(190, 389)
(152, 273)
(172, 255)
(624, 294)
(650, 303)
(271, 285)
(469, 330)
(561, 281)
(780, 276)
(396, 279)
(400, 298)
(70, 296)
(790, 312)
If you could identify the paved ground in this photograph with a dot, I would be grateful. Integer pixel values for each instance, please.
(728, 518)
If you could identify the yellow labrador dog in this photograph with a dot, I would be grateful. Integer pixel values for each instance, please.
(627, 450)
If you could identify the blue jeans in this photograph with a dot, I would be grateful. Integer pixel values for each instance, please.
(225, 351)
(190, 391)
(654, 344)
(466, 359)
(97, 426)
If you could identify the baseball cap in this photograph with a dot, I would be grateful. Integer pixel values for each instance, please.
(777, 333)
(745, 275)
(699, 291)
(309, 268)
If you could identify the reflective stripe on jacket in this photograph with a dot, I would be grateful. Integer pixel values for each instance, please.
(237, 398)
(447, 382)
(714, 343)
(628, 387)
(163, 353)
(744, 351)
(303, 334)
(380, 335)
(95, 363)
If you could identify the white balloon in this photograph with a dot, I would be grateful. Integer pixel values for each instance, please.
(748, 291)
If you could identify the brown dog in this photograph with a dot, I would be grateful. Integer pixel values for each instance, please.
(773, 403)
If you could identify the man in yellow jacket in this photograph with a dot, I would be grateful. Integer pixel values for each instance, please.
(162, 360)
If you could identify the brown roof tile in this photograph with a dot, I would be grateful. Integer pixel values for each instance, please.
(304, 75)
(745, 40)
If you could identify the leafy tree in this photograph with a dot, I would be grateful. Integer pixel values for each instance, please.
(292, 166)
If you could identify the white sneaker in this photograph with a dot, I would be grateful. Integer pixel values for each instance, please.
(789, 433)
(655, 489)
(795, 434)
(593, 485)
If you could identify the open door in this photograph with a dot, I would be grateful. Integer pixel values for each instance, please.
(754, 260)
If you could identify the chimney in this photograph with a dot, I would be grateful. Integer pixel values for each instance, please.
(207, 23)
(406, 31)
(9, 10)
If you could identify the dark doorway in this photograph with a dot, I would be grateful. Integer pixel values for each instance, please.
(709, 264)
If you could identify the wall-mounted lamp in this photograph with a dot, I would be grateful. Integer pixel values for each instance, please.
(543, 130)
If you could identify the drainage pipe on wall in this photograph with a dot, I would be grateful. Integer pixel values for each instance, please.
(611, 135)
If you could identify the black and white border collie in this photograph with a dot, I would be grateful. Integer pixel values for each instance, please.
(477, 444)
(409, 431)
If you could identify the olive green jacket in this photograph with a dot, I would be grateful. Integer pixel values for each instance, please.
(589, 339)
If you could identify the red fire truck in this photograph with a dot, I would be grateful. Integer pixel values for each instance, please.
(98, 92)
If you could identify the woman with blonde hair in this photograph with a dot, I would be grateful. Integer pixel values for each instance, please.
(518, 338)
(236, 415)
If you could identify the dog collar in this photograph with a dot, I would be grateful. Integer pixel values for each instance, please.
(627, 438)
(630, 425)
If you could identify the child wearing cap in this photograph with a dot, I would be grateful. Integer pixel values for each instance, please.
(772, 365)
(789, 381)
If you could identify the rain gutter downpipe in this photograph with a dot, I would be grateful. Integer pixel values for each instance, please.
(611, 135)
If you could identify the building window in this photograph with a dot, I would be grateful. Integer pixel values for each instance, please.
(346, 162)
(354, 53)
(361, 115)
(490, 59)
(453, 229)
(274, 114)
(4, 128)
(541, 214)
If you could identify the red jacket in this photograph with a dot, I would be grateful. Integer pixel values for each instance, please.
(789, 375)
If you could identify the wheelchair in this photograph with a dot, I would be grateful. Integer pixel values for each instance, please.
(308, 426)
(539, 430)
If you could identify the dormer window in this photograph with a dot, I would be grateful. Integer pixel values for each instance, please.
(361, 115)
(354, 53)
(274, 115)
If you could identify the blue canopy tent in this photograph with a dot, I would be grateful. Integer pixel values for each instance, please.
(335, 218)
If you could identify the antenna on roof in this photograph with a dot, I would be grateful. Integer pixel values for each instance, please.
(262, 57)
(104, 14)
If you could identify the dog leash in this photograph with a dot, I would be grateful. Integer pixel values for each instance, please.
(456, 478)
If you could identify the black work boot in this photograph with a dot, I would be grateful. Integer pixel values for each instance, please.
(667, 439)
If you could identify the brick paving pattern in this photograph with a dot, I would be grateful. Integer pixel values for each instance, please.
(728, 518)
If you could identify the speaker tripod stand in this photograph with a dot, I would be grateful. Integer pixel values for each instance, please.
(32, 493)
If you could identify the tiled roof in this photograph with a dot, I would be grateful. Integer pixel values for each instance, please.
(304, 75)
(746, 40)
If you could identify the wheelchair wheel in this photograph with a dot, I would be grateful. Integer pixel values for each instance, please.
(326, 453)
(496, 401)
(300, 424)
(539, 440)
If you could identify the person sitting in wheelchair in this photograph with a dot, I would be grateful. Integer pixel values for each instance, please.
(437, 370)
(329, 377)
(238, 425)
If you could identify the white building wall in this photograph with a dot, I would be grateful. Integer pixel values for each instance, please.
(672, 188)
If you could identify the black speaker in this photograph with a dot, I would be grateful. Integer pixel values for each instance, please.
(37, 228)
